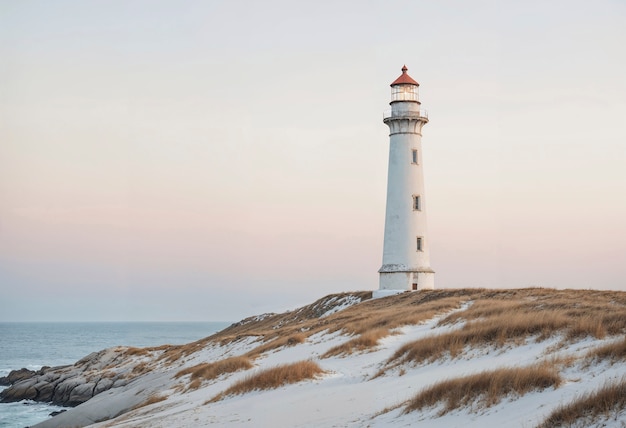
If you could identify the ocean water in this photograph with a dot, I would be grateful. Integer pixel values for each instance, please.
(33, 345)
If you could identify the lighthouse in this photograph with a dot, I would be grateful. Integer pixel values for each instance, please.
(406, 262)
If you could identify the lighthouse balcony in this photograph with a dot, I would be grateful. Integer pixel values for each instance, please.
(405, 114)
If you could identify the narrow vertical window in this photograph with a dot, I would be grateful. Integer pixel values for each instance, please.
(417, 203)
(420, 243)
(414, 156)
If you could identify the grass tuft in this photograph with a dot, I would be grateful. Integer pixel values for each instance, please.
(155, 398)
(410, 309)
(279, 342)
(273, 378)
(491, 322)
(131, 351)
(208, 371)
(363, 342)
(141, 368)
(485, 388)
(584, 411)
(612, 351)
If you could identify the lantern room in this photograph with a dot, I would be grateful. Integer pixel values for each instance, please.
(404, 88)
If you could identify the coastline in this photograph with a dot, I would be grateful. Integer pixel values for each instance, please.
(370, 359)
(33, 345)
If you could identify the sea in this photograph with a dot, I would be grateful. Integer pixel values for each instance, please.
(33, 345)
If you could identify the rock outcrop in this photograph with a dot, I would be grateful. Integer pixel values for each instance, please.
(17, 375)
(72, 385)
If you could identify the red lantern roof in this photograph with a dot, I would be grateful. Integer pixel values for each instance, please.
(404, 79)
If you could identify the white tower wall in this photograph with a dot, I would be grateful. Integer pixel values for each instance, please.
(406, 263)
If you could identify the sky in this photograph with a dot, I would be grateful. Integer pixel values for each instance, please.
(211, 160)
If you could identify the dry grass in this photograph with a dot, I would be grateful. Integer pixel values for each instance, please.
(142, 352)
(141, 368)
(482, 309)
(578, 313)
(486, 388)
(612, 351)
(108, 374)
(273, 378)
(410, 309)
(208, 371)
(611, 398)
(389, 313)
(533, 311)
(279, 342)
(497, 318)
(176, 352)
(136, 351)
(291, 328)
(305, 320)
(373, 324)
(494, 332)
(155, 398)
(363, 342)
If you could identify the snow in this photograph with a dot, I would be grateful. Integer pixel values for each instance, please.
(253, 319)
(349, 394)
(339, 304)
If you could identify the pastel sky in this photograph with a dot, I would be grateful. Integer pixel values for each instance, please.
(211, 160)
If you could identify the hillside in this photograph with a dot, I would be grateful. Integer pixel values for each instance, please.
(444, 358)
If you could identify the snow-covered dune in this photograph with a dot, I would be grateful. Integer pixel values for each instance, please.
(509, 357)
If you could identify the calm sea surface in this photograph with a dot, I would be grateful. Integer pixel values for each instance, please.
(33, 345)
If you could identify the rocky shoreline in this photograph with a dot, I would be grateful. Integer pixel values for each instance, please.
(106, 384)
(66, 386)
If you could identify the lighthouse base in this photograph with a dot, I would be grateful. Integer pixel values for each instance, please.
(407, 281)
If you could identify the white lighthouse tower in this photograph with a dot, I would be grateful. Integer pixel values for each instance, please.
(406, 263)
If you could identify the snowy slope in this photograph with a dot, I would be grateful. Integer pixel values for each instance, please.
(349, 393)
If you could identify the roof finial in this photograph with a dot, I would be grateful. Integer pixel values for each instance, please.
(404, 69)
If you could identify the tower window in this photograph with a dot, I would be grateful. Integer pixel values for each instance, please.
(420, 243)
(414, 156)
(417, 203)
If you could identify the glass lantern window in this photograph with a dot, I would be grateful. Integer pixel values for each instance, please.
(404, 93)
